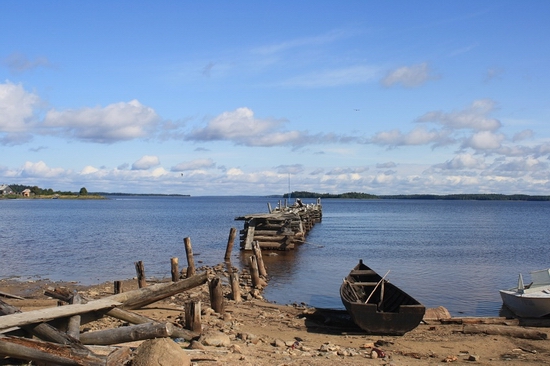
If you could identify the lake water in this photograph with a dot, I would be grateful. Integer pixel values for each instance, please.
(456, 254)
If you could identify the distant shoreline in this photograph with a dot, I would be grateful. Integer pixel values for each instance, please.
(452, 197)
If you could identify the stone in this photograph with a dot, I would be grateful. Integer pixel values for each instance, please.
(161, 352)
(216, 339)
(279, 343)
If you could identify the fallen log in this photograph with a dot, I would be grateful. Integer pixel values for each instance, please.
(50, 353)
(5, 294)
(515, 332)
(480, 320)
(128, 334)
(44, 315)
(43, 331)
(124, 315)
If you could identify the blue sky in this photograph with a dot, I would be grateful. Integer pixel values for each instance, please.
(239, 98)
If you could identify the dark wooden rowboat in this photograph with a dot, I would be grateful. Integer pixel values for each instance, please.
(378, 306)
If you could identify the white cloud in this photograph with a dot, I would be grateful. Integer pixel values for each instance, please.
(409, 76)
(417, 136)
(527, 164)
(89, 170)
(17, 108)
(41, 170)
(146, 162)
(484, 140)
(473, 117)
(523, 135)
(387, 165)
(115, 122)
(194, 165)
(243, 128)
(462, 161)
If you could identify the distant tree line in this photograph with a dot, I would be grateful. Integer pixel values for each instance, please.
(304, 194)
(19, 188)
(463, 197)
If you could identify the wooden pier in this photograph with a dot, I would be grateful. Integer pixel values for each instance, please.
(282, 228)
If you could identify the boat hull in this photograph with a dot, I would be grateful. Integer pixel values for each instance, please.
(532, 305)
(377, 306)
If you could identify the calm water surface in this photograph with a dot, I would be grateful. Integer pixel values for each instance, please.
(457, 254)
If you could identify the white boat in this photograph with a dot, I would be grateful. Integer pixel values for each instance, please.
(532, 300)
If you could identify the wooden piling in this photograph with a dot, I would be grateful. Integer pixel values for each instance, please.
(117, 287)
(254, 274)
(190, 260)
(174, 269)
(216, 295)
(193, 316)
(235, 287)
(258, 253)
(140, 270)
(230, 241)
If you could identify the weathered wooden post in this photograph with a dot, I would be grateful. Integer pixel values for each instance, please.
(255, 276)
(73, 327)
(230, 241)
(235, 288)
(174, 269)
(140, 270)
(216, 295)
(190, 260)
(258, 253)
(117, 286)
(193, 316)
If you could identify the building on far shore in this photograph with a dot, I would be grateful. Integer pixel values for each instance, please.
(26, 193)
(5, 189)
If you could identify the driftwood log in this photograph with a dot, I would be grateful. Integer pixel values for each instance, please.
(50, 353)
(43, 331)
(516, 332)
(128, 334)
(124, 315)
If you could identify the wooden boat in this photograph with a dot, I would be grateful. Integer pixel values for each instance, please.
(532, 300)
(378, 306)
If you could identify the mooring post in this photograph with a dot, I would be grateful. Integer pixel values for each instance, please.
(174, 269)
(230, 241)
(140, 271)
(190, 260)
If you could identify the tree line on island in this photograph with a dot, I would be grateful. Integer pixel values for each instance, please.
(35, 190)
(456, 197)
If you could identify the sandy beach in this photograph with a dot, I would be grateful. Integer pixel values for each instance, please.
(257, 332)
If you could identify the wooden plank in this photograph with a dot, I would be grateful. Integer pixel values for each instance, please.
(45, 315)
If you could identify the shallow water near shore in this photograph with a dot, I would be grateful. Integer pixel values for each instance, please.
(456, 254)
